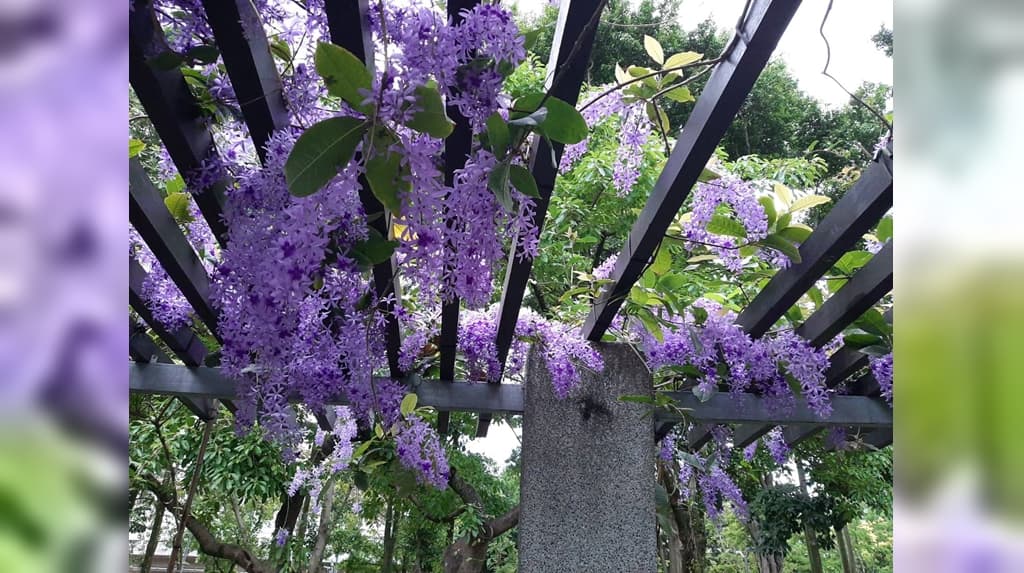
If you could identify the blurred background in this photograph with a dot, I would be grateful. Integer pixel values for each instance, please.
(959, 76)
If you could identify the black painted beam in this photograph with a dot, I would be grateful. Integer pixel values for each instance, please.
(567, 69)
(855, 214)
(142, 349)
(178, 380)
(714, 111)
(184, 343)
(173, 111)
(349, 28)
(243, 45)
(867, 286)
(150, 217)
(457, 147)
(796, 434)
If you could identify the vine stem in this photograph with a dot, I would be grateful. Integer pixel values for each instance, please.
(621, 85)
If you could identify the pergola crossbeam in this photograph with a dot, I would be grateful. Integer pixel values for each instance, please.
(714, 111)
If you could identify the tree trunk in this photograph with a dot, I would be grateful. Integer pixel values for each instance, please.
(469, 555)
(845, 551)
(389, 539)
(810, 538)
(769, 563)
(316, 556)
(154, 538)
(172, 563)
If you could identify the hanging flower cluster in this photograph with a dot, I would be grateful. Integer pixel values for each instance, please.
(708, 340)
(342, 434)
(881, 368)
(709, 226)
(564, 350)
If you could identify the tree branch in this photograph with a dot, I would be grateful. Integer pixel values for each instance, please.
(208, 544)
(176, 547)
(499, 525)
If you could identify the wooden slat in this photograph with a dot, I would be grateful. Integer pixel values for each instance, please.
(574, 38)
(711, 116)
(142, 349)
(160, 231)
(457, 147)
(243, 45)
(178, 380)
(855, 214)
(348, 26)
(173, 111)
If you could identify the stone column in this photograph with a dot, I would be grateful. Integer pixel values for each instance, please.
(588, 471)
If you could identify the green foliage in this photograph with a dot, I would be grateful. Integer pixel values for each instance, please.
(344, 74)
(320, 152)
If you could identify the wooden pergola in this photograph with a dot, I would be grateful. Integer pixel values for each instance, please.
(242, 42)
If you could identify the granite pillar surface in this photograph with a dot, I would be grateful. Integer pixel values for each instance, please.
(588, 470)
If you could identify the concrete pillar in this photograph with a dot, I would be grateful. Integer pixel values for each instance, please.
(588, 471)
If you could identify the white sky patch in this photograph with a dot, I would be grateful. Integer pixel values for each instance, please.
(851, 24)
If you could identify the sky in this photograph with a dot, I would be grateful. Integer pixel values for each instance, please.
(855, 59)
(849, 29)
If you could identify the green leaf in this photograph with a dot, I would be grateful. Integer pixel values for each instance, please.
(662, 261)
(497, 182)
(769, 208)
(658, 117)
(361, 449)
(782, 245)
(815, 295)
(621, 76)
(204, 54)
(722, 225)
(808, 201)
(873, 322)
(636, 399)
(700, 315)
(876, 350)
(498, 135)
(135, 146)
(862, 339)
(343, 73)
(884, 229)
(532, 120)
(281, 50)
(784, 194)
(320, 152)
(672, 282)
(796, 232)
(654, 50)
(680, 94)
(166, 61)
(651, 324)
(681, 59)
(523, 180)
(784, 220)
(373, 251)
(530, 39)
(852, 260)
(175, 185)
(177, 204)
(430, 117)
(563, 123)
(409, 404)
(388, 179)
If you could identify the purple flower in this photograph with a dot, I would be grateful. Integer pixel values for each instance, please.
(881, 368)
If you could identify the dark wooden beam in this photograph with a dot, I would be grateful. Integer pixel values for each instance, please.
(457, 147)
(867, 286)
(183, 342)
(143, 350)
(714, 111)
(173, 111)
(349, 28)
(243, 45)
(746, 434)
(154, 222)
(178, 380)
(567, 68)
(845, 224)
(796, 434)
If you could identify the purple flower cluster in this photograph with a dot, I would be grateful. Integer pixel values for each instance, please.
(715, 487)
(710, 199)
(881, 368)
(759, 365)
(564, 348)
(162, 297)
(312, 479)
(419, 449)
(685, 476)
(776, 444)
(668, 446)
